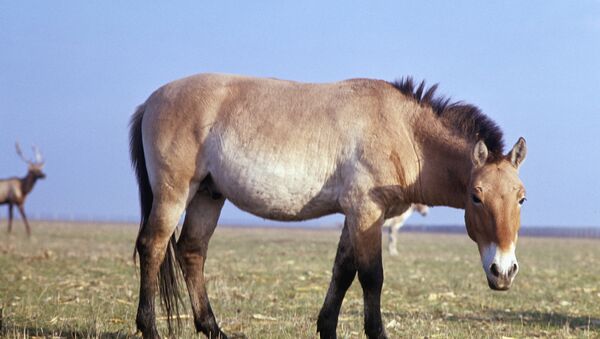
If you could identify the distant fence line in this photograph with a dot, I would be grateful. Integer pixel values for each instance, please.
(527, 231)
(74, 217)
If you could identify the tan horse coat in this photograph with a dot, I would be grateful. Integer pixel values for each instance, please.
(291, 151)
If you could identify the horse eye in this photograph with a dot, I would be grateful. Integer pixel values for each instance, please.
(476, 199)
(522, 201)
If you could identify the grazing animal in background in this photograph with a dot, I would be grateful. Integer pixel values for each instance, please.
(14, 191)
(284, 150)
(395, 223)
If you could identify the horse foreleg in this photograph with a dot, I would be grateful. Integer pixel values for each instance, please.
(370, 275)
(364, 225)
(201, 219)
(22, 211)
(151, 246)
(10, 217)
(344, 271)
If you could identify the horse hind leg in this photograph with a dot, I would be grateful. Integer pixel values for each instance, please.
(151, 246)
(200, 221)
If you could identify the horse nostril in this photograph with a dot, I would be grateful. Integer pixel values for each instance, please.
(494, 270)
(513, 270)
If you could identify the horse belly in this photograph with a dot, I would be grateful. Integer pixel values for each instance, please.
(274, 186)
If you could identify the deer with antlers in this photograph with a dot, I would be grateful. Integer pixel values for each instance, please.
(14, 191)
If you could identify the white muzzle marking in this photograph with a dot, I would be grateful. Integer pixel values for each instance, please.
(500, 266)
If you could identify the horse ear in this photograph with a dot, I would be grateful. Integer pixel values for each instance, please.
(480, 154)
(517, 154)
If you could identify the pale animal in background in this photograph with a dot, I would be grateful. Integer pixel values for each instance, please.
(394, 224)
(14, 191)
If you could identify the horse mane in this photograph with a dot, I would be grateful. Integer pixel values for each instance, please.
(466, 119)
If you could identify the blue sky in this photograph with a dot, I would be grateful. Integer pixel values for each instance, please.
(72, 72)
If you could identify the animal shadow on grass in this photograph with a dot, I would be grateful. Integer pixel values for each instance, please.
(550, 319)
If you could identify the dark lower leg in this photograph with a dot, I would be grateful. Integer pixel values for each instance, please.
(149, 266)
(371, 280)
(204, 318)
(22, 211)
(344, 271)
(199, 225)
(10, 217)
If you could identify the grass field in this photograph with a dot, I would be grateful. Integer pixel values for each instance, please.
(79, 281)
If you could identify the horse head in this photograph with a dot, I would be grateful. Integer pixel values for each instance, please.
(493, 211)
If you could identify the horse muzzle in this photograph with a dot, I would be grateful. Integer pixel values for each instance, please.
(500, 267)
(501, 279)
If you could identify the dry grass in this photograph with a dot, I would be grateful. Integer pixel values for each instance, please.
(79, 281)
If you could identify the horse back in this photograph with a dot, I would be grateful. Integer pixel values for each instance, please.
(278, 149)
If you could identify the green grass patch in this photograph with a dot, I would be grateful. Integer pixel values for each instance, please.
(79, 281)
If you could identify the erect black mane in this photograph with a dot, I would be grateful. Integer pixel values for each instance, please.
(464, 118)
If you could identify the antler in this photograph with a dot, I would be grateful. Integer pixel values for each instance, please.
(38, 155)
(39, 160)
(20, 153)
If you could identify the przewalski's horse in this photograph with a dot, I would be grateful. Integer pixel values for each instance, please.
(394, 224)
(285, 150)
(14, 191)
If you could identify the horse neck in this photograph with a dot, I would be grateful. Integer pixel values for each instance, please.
(445, 166)
(27, 182)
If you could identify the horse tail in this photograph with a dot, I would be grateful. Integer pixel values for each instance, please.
(138, 161)
(168, 275)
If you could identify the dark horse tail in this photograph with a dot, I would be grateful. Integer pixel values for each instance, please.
(168, 275)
